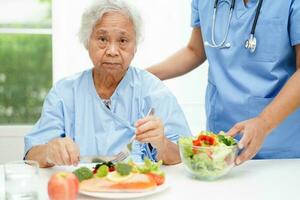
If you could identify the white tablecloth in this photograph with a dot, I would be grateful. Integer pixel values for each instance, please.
(254, 180)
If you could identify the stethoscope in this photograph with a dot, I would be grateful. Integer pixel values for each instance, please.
(250, 43)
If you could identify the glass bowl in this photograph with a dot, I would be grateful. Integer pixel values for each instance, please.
(207, 162)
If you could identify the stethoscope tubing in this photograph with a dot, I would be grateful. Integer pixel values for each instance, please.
(222, 43)
(257, 12)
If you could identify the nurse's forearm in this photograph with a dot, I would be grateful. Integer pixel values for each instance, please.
(178, 64)
(39, 154)
(168, 153)
(182, 61)
(287, 101)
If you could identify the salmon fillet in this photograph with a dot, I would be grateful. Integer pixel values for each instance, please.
(136, 183)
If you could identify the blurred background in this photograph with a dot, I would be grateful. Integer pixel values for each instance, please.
(39, 46)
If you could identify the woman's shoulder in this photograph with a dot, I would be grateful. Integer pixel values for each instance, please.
(73, 80)
(148, 82)
(65, 87)
(144, 76)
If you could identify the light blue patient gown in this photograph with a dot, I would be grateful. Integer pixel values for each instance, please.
(240, 83)
(74, 109)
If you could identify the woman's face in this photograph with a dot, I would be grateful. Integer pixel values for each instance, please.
(112, 44)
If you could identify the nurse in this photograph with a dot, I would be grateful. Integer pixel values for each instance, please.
(253, 92)
(98, 111)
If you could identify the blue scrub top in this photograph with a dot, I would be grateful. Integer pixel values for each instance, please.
(74, 109)
(241, 84)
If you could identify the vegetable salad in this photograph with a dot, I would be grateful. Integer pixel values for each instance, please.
(208, 155)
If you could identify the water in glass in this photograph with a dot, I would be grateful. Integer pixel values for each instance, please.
(21, 180)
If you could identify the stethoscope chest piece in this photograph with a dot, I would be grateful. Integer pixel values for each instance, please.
(251, 43)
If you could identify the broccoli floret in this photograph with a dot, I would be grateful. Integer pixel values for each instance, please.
(123, 169)
(83, 173)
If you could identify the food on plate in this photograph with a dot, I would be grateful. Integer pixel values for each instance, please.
(123, 169)
(109, 164)
(159, 179)
(208, 155)
(63, 186)
(123, 177)
(102, 171)
(83, 173)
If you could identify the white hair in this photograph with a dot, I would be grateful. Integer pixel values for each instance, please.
(96, 11)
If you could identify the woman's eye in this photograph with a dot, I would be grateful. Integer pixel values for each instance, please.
(123, 41)
(102, 39)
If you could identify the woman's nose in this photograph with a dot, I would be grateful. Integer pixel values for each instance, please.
(113, 49)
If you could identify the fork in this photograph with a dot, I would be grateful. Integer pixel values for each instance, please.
(120, 156)
(127, 149)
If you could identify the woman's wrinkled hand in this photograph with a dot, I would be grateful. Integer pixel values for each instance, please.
(150, 130)
(254, 131)
(62, 151)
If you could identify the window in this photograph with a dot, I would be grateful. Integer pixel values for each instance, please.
(25, 59)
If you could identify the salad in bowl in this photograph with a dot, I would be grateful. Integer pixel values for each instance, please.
(208, 156)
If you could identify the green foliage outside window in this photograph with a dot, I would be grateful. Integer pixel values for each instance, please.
(25, 76)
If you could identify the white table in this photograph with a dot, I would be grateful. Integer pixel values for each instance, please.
(254, 180)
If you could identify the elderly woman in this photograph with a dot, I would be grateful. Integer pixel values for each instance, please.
(96, 112)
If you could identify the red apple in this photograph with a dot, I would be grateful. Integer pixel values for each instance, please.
(63, 186)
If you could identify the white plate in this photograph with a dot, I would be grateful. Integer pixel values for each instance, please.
(126, 195)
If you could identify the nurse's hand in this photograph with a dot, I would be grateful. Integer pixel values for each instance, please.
(254, 132)
(62, 151)
(150, 130)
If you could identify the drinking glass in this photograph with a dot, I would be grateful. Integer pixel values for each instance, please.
(21, 180)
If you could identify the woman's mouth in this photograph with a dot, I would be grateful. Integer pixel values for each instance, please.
(111, 64)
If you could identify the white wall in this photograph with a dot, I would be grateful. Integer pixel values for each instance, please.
(166, 29)
(12, 142)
